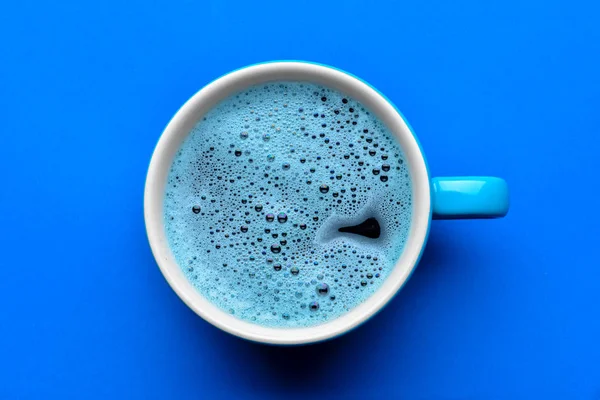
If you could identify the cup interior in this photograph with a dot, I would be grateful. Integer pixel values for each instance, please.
(203, 101)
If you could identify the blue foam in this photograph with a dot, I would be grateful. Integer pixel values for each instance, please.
(310, 153)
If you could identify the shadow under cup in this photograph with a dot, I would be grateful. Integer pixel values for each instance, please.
(203, 101)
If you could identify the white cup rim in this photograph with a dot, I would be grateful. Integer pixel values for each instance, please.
(205, 99)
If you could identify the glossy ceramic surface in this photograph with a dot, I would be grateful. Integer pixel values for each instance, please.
(469, 197)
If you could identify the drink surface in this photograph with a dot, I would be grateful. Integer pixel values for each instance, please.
(288, 204)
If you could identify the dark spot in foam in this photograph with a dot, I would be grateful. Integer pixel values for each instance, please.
(369, 228)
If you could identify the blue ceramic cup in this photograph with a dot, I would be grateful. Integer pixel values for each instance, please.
(433, 198)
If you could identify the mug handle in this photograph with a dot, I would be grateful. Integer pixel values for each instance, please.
(469, 197)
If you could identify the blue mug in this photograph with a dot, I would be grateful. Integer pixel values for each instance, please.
(437, 198)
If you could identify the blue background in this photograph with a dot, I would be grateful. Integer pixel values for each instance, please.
(497, 309)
